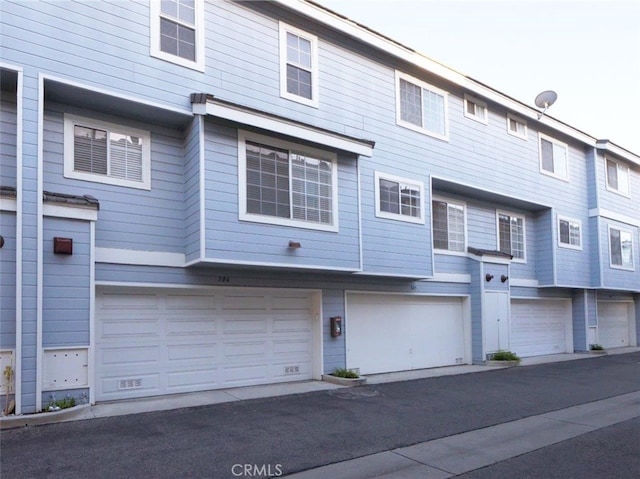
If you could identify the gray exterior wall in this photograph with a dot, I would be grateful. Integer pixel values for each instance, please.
(8, 281)
(7, 138)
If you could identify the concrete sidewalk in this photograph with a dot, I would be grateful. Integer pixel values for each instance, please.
(454, 455)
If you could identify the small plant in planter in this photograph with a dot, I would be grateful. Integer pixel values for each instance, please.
(503, 358)
(345, 373)
(345, 377)
(597, 349)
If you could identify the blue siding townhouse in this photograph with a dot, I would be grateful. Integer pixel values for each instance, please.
(193, 191)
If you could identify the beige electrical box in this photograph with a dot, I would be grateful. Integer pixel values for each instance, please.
(65, 369)
(7, 360)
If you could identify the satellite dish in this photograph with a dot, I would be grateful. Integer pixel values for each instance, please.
(545, 100)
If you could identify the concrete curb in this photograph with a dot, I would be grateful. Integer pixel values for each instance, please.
(344, 381)
(10, 422)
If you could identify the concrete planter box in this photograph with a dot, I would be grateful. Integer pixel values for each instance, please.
(503, 364)
(344, 381)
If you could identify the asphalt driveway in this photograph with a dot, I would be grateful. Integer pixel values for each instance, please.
(298, 432)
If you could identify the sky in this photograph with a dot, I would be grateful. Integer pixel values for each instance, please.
(588, 52)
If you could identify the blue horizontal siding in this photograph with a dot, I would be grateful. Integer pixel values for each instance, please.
(7, 139)
(66, 287)
(8, 281)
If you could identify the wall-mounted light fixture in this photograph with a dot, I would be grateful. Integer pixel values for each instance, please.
(504, 278)
(488, 277)
(294, 244)
(62, 245)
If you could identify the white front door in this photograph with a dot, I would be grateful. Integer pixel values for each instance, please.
(495, 324)
(152, 341)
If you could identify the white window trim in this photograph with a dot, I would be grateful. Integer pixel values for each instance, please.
(541, 137)
(525, 135)
(314, 101)
(633, 256)
(155, 51)
(522, 260)
(393, 216)
(484, 119)
(243, 137)
(464, 209)
(606, 176)
(69, 161)
(424, 86)
(570, 220)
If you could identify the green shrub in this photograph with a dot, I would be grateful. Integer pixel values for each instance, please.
(596, 347)
(345, 373)
(505, 356)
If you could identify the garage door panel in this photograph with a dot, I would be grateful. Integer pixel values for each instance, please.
(192, 378)
(539, 327)
(613, 324)
(192, 352)
(399, 332)
(187, 342)
(191, 326)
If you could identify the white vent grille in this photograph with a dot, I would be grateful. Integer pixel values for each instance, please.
(129, 384)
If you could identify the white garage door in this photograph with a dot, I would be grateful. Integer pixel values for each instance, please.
(151, 342)
(541, 326)
(387, 333)
(613, 323)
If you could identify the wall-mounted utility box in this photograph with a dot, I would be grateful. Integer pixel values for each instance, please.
(65, 369)
(62, 245)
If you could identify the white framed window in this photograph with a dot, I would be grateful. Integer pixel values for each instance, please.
(569, 233)
(298, 65)
(399, 198)
(516, 126)
(421, 107)
(177, 32)
(475, 109)
(511, 235)
(620, 248)
(554, 157)
(617, 177)
(106, 153)
(283, 183)
(449, 220)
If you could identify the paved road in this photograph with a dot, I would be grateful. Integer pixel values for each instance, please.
(609, 453)
(294, 433)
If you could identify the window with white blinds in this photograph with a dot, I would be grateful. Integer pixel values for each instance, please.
(287, 184)
(106, 153)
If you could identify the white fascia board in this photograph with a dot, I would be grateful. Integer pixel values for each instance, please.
(612, 215)
(139, 258)
(8, 204)
(607, 146)
(524, 283)
(398, 50)
(285, 127)
(70, 212)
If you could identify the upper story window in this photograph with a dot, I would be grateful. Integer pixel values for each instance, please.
(554, 158)
(511, 235)
(516, 126)
(448, 225)
(621, 248)
(398, 198)
(106, 153)
(421, 107)
(177, 32)
(617, 177)
(287, 184)
(476, 109)
(298, 65)
(569, 233)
